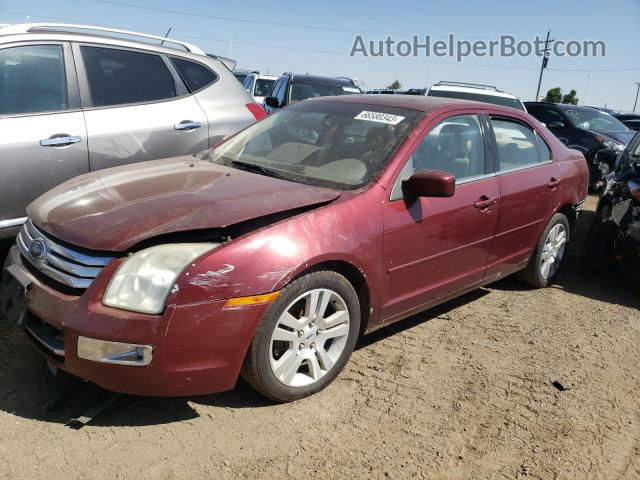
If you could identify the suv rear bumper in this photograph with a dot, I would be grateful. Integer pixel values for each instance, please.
(197, 349)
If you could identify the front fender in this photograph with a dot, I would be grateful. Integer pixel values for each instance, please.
(349, 230)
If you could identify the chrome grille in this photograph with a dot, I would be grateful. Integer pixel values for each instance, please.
(63, 264)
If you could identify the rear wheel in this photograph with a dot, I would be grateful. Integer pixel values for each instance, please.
(305, 338)
(547, 258)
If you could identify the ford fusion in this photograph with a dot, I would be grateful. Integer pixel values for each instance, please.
(269, 255)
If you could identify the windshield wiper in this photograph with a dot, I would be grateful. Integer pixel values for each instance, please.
(253, 168)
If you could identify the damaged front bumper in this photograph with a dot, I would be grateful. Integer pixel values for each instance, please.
(187, 350)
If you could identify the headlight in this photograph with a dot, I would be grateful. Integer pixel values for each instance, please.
(613, 145)
(142, 283)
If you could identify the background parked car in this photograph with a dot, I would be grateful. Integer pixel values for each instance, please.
(273, 252)
(75, 99)
(259, 86)
(290, 88)
(615, 235)
(474, 91)
(585, 129)
(241, 75)
(631, 120)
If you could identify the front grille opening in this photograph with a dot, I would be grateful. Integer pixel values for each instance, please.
(46, 337)
(50, 282)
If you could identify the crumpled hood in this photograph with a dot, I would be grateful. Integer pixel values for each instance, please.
(117, 208)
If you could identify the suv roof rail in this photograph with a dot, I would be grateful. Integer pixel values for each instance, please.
(465, 84)
(71, 28)
(347, 78)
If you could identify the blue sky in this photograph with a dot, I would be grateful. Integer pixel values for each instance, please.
(316, 37)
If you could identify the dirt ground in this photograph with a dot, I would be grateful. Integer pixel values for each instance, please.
(463, 391)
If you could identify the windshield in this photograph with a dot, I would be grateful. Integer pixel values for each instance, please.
(478, 97)
(328, 144)
(302, 91)
(594, 120)
(263, 87)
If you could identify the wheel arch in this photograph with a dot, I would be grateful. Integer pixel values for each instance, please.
(355, 276)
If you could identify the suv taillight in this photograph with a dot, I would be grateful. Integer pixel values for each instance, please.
(257, 110)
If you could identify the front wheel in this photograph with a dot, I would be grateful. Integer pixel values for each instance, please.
(547, 258)
(305, 338)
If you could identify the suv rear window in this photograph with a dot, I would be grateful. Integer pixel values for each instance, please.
(32, 80)
(195, 75)
(118, 77)
(477, 97)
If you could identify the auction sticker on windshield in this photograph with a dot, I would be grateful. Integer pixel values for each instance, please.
(379, 117)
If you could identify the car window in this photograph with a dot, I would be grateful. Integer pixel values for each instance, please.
(118, 77)
(282, 91)
(549, 117)
(263, 87)
(591, 119)
(455, 145)
(543, 148)
(301, 91)
(478, 97)
(195, 75)
(516, 144)
(313, 143)
(32, 80)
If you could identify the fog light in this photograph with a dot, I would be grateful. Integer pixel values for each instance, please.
(114, 352)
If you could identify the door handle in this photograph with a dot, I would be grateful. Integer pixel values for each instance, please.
(485, 202)
(187, 125)
(553, 183)
(60, 140)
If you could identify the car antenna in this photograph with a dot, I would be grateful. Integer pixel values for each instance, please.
(166, 35)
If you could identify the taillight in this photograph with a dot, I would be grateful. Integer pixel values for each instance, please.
(257, 110)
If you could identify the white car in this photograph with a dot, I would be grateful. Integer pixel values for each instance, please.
(259, 86)
(477, 92)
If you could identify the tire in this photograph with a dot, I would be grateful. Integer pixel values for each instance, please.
(534, 273)
(294, 354)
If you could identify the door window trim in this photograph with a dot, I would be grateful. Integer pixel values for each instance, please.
(487, 153)
(521, 122)
(83, 80)
(71, 79)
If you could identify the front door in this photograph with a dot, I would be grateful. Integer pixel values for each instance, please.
(434, 247)
(42, 128)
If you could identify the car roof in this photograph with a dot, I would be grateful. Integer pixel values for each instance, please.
(28, 32)
(477, 91)
(560, 106)
(416, 102)
(306, 78)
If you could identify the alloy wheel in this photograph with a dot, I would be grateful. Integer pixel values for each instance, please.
(309, 337)
(553, 251)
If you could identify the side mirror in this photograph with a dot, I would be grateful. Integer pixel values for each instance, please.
(272, 102)
(427, 183)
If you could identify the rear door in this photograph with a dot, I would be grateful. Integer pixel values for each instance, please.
(434, 247)
(527, 178)
(136, 107)
(42, 129)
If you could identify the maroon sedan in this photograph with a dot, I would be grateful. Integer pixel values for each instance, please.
(270, 254)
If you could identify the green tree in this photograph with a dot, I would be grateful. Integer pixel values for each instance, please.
(554, 95)
(395, 85)
(570, 98)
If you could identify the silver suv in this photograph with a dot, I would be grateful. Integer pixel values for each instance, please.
(77, 98)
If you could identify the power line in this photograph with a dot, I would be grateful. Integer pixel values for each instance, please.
(242, 20)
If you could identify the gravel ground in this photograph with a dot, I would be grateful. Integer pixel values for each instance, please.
(463, 391)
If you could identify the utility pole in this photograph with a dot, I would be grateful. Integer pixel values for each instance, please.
(636, 102)
(545, 60)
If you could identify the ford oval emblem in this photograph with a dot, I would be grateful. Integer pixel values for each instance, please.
(38, 250)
